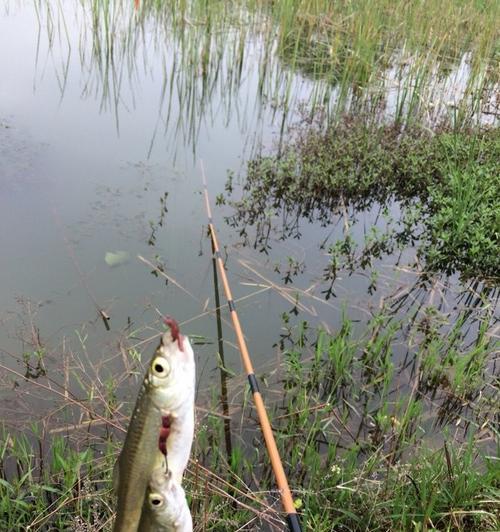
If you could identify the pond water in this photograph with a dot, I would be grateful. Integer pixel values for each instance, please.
(101, 140)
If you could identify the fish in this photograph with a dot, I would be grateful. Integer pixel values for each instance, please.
(167, 392)
(180, 414)
(165, 507)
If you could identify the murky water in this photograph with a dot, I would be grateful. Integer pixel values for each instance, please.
(79, 179)
(100, 152)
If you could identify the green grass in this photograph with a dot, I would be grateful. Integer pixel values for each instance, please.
(61, 487)
(464, 215)
(390, 60)
(367, 445)
(354, 44)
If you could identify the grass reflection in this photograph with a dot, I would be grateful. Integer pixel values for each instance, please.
(387, 60)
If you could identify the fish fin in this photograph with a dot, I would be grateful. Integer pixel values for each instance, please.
(116, 477)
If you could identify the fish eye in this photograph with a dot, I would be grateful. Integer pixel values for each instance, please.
(155, 499)
(160, 367)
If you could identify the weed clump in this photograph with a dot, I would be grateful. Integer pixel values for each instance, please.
(447, 185)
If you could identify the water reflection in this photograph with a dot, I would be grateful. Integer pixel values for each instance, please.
(208, 61)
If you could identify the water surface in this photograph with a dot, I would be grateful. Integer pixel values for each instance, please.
(101, 142)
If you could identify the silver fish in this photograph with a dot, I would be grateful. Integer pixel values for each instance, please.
(167, 391)
(165, 508)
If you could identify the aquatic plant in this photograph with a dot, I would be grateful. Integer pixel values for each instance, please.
(387, 60)
(446, 185)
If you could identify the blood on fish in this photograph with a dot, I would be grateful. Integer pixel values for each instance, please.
(164, 433)
(174, 330)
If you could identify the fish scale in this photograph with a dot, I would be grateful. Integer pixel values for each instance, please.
(141, 450)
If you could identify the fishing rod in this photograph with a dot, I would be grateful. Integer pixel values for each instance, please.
(279, 473)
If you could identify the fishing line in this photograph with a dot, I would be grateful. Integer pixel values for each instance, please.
(267, 431)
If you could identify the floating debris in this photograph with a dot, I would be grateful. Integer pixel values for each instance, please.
(116, 258)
